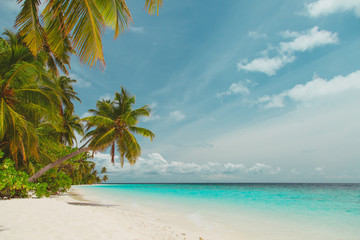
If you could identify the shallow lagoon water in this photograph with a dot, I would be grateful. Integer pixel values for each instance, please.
(257, 211)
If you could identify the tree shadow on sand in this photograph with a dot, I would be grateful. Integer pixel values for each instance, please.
(91, 204)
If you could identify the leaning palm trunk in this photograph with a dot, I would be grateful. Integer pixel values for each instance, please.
(61, 160)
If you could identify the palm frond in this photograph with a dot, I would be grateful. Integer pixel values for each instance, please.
(143, 132)
(29, 25)
(100, 121)
(153, 6)
(116, 14)
(87, 25)
(104, 140)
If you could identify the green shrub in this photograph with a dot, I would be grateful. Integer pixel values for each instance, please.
(56, 182)
(13, 183)
(41, 190)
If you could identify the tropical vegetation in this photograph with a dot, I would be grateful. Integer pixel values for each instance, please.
(38, 125)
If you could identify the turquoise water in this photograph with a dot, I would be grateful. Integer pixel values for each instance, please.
(323, 211)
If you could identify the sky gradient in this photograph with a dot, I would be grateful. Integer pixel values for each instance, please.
(242, 91)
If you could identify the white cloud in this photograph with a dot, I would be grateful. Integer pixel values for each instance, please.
(289, 34)
(259, 168)
(80, 82)
(256, 35)
(319, 169)
(275, 101)
(302, 41)
(308, 40)
(136, 29)
(294, 171)
(152, 117)
(314, 89)
(156, 164)
(266, 65)
(236, 88)
(177, 115)
(326, 7)
(153, 105)
(85, 114)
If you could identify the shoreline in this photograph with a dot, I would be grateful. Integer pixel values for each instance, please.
(72, 216)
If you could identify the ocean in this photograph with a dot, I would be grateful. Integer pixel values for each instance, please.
(254, 210)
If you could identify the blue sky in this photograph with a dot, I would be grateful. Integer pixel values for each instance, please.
(242, 91)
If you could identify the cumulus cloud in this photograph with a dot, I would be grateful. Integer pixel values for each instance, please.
(80, 82)
(236, 88)
(314, 89)
(156, 164)
(266, 65)
(326, 7)
(177, 115)
(308, 40)
(302, 41)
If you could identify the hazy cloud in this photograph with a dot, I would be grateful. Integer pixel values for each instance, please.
(106, 96)
(153, 115)
(177, 115)
(80, 82)
(326, 7)
(259, 168)
(156, 164)
(314, 89)
(236, 88)
(319, 169)
(256, 35)
(136, 29)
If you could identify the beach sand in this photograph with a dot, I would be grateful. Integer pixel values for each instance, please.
(68, 216)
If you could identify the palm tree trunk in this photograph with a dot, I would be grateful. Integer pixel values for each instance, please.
(51, 165)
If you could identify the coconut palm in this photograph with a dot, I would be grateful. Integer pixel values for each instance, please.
(112, 125)
(65, 25)
(25, 98)
(70, 124)
(65, 90)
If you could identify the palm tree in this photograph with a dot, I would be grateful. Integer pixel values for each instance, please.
(66, 93)
(68, 25)
(25, 98)
(112, 125)
(70, 124)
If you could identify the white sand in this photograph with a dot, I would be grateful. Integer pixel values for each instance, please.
(55, 219)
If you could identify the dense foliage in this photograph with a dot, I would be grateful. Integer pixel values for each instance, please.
(37, 124)
(37, 118)
(13, 183)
